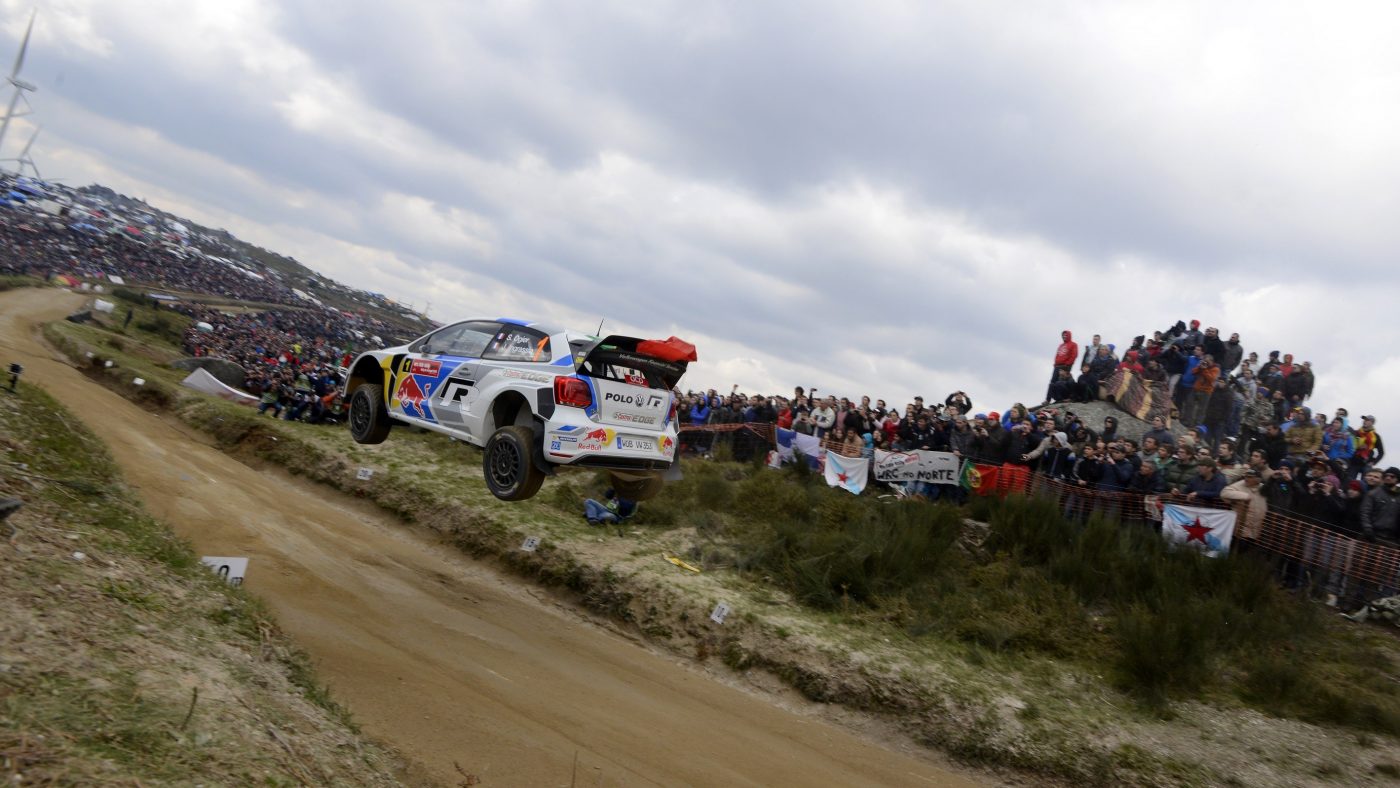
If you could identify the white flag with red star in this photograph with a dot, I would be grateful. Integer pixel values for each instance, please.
(848, 473)
(1208, 530)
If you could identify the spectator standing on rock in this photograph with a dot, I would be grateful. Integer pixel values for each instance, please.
(1212, 344)
(1203, 385)
(1298, 385)
(1065, 355)
(1091, 352)
(1303, 436)
(1159, 432)
(1232, 355)
(1369, 447)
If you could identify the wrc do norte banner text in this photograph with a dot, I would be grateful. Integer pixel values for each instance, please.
(933, 467)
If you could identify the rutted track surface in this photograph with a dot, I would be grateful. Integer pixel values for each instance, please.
(434, 654)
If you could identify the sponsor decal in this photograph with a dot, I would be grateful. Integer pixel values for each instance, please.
(533, 377)
(597, 440)
(410, 396)
(456, 390)
(424, 367)
(666, 445)
(637, 400)
(555, 446)
(635, 418)
(635, 380)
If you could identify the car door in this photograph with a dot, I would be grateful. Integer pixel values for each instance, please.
(456, 359)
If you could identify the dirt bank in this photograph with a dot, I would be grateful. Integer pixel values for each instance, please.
(446, 660)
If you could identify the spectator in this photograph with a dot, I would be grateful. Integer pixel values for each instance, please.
(1381, 508)
(1303, 437)
(1369, 449)
(1232, 355)
(1207, 484)
(616, 509)
(824, 417)
(1250, 505)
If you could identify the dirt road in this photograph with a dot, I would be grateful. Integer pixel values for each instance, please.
(439, 656)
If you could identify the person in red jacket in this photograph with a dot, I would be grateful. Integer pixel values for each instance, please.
(1065, 356)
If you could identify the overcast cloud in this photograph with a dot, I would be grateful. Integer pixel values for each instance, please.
(891, 198)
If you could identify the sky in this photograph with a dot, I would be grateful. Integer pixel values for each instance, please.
(882, 198)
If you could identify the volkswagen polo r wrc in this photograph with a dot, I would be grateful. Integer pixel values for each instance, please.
(533, 397)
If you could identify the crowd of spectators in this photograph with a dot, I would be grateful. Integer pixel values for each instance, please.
(33, 246)
(1251, 434)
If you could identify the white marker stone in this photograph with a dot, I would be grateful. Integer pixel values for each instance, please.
(719, 613)
(364, 474)
(530, 544)
(230, 569)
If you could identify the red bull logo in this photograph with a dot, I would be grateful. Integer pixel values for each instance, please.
(596, 439)
(410, 395)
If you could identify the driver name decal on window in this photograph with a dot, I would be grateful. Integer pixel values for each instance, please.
(519, 344)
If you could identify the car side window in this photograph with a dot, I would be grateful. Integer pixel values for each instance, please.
(462, 339)
(436, 341)
(518, 343)
(471, 341)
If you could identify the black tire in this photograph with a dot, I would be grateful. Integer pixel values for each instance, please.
(638, 490)
(509, 464)
(368, 418)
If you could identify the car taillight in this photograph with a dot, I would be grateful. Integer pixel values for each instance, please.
(572, 392)
(671, 411)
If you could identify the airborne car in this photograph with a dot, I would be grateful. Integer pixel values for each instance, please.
(533, 397)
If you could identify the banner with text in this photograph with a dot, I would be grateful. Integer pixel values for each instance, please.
(933, 467)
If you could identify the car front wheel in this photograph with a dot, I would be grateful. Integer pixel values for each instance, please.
(511, 474)
(369, 419)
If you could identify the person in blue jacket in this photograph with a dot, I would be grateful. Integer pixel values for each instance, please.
(1207, 484)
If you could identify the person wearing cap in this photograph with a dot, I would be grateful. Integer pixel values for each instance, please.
(1302, 435)
(1380, 510)
(1369, 449)
(1192, 338)
(1247, 497)
(1207, 483)
(1159, 432)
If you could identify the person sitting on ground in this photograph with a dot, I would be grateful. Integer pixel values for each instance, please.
(616, 510)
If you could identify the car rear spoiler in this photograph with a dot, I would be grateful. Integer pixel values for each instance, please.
(664, 359)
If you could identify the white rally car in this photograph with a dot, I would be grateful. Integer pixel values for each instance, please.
(533, 397)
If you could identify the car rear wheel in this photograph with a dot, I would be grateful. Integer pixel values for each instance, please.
(369, 419)
(510, 469)
(643, 489)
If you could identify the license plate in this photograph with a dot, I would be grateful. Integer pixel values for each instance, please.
(636, 444)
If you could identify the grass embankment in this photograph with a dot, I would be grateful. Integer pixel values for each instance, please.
(123, 660)
(1092, 654)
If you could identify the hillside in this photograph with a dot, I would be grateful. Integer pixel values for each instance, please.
(123, 660)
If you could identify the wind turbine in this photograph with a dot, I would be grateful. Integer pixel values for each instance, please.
(20, 86)
(24, 158)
